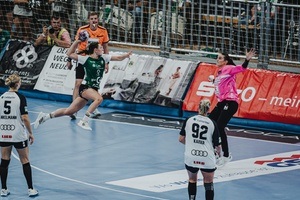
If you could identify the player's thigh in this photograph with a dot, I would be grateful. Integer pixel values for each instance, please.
(208, 176)
(6, 152)
(76, 105)
(91, 94)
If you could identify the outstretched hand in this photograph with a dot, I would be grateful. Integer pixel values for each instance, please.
(250, 54)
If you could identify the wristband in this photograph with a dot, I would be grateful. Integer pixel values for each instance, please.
(69, 59)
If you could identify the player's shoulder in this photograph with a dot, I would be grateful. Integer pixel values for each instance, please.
(101, 28)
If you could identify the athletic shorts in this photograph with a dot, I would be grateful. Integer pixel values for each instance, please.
(17, 145)
(195, 170)
(79, 71)
(82, 88)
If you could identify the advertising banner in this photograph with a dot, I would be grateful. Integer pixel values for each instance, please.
(25, 59)
(264, 95)
(147, 79)
(55, 76)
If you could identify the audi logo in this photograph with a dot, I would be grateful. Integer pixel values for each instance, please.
(201, 153)
(7, 127)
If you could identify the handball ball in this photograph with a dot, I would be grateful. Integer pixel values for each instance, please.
(83, 36)
(211, 77)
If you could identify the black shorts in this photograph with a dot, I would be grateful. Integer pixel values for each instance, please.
(79, 71)
(195, 169)
(82, 88)
(17, 145)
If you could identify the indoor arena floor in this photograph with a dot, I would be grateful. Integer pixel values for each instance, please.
(128, 161)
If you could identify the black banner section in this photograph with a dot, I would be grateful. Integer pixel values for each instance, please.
(24, 58)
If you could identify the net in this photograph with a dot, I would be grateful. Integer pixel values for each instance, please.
(180, 25)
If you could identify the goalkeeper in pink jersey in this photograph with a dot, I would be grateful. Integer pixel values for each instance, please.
(227, 96)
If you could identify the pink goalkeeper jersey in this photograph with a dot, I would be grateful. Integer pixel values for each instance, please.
(225, 83)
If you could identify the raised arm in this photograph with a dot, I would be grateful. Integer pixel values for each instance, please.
(71, 51)
(249, 55)
(121, 57)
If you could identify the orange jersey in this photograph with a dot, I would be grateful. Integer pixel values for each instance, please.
(100, 34)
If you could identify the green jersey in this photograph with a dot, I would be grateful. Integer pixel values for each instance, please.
(94, 69)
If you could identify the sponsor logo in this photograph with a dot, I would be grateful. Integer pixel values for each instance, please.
(200, 153)
(146, 119)
(262, 133)
(6, 136)
(207, 89)
(24, 56)
(7, 127)
(199, 163)
(288, 161)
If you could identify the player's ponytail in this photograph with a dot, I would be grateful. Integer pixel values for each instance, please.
(12, 80)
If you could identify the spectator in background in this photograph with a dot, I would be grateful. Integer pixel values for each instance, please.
(273, 12)
(61, 8)
(137, 14)
(22, 20)
(54, 35)
(200, 134)
(4, 37)
(6, 14)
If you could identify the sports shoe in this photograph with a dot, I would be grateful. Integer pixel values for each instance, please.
(32, 192)
(96, 114)
(84, 125)
(4, 192)
(40, 119)
(222, 161)
(73, 116)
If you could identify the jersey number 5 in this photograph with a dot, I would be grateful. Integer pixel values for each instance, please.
(7, 107)
(199, 131)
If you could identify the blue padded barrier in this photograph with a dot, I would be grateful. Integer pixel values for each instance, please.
(166, 111)
(274, 127)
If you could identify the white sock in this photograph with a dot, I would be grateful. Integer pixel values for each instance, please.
(85, 118)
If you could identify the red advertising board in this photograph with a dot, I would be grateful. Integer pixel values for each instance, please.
(263, 95)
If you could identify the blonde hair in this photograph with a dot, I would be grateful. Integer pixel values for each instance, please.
(204, 106)
(12, 80)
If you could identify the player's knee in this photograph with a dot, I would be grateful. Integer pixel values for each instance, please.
(98, 100)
